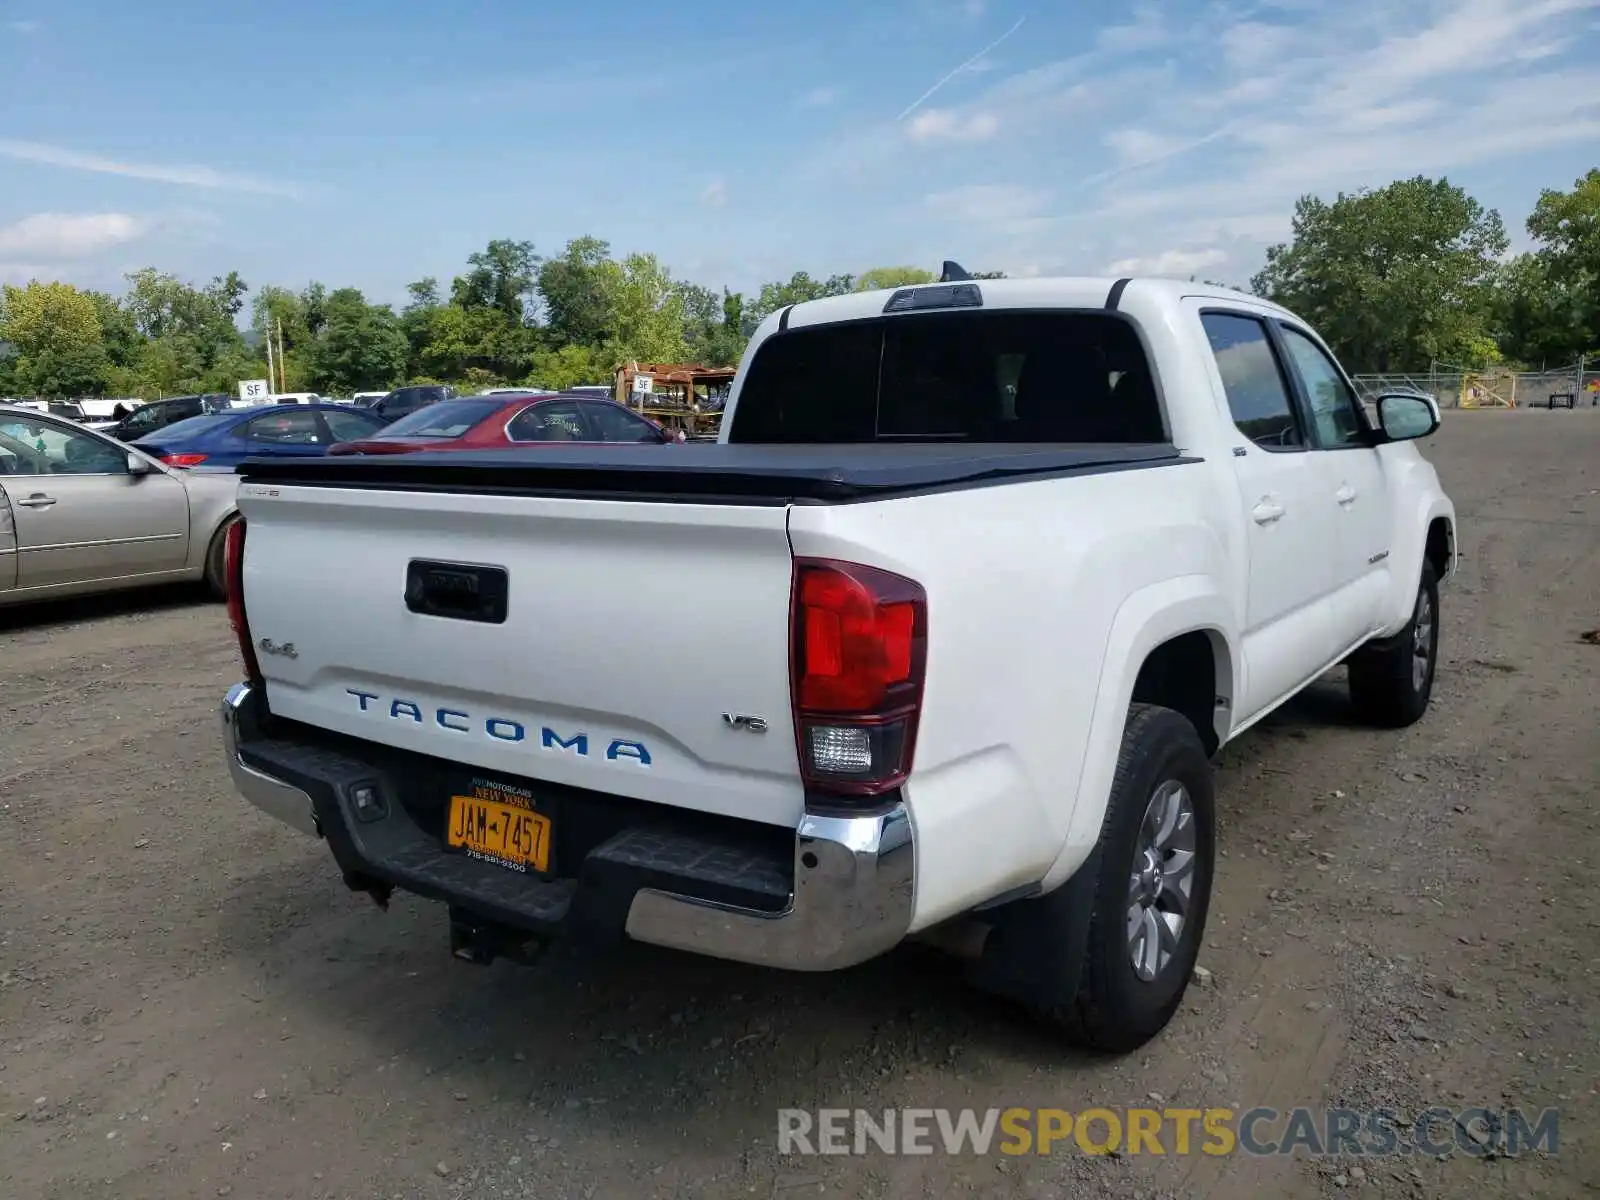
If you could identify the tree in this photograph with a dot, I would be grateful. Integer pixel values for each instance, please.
(1394, 278)
(55, 332)
(361, 347)
(649, 314)
(190, 339)
(570, 365)
(1555, 298)
(502, 277)
(579, 290)
(876, 278)
(800, 288)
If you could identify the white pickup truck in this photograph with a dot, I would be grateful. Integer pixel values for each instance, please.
(938, 640)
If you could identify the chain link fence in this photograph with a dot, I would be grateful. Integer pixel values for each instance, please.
(1491, 389)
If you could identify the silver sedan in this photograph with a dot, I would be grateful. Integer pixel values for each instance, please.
(82, 513)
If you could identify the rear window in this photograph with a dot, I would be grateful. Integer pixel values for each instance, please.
(951, 377)
(446, 419)
(190, 426)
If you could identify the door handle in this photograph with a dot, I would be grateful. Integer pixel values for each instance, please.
(1266, 512)
(37, 500)
(1346, 495)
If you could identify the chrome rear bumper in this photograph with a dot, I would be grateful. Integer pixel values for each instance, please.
(272, 796)
(854, 880)
(852, 898)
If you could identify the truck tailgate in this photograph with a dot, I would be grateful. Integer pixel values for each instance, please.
(629, 629)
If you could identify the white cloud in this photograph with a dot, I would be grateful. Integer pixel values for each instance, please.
(22, 273)
(715, 194)
(188, 176)
(946, 125)
(1177, 263)
(988, 201)
(1201, 148)
(1253, 44)
(1146, 31)
(70, 235)
(820, 97)
(25, 27)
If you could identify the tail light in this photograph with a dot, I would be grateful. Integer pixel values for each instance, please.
(234, 573)
(183, 460)
(859, 640)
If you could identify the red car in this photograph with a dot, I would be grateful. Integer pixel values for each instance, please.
(496, 422)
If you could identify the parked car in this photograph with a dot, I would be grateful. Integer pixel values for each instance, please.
(367, 399)
(487, 422)
(81, 512)
(158, 414)
(70, 409)
(402, 402)
(998, 568)
(102, 412)
(294, 398)
(226, 439)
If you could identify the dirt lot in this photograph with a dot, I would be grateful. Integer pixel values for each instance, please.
(192, 1005)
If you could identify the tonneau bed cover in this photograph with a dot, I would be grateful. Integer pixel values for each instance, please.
(749, 473)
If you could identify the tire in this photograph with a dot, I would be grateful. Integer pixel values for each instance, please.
(217, 561)
(1392, 682)
(1162, 764)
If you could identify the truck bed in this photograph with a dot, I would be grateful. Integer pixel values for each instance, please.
(727, 473)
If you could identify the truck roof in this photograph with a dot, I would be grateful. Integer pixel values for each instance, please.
(1079, 292)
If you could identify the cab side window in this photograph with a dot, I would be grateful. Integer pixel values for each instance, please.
(1253, 380)
(612, 423)
(42, 448)
(1335, 414)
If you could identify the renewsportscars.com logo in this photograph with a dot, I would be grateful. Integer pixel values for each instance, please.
(1315, 1132)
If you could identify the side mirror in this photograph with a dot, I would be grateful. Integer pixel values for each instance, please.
(1406, 416)
(139, 465)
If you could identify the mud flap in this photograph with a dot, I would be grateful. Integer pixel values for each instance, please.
(1035, 949)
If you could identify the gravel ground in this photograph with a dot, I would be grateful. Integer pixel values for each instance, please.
(191, 1004)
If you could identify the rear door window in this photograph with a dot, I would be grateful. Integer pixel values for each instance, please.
(284, 427)
(1253, 380)
(350, 426)
(950, 377)
(551, 421)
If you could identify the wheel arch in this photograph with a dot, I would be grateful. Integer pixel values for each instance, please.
(1163, 642)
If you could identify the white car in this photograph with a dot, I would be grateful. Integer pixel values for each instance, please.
(81, 512)
(986, 572)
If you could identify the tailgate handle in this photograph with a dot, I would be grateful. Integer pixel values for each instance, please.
(459, 591)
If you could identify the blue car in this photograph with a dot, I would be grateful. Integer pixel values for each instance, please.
(225, 439)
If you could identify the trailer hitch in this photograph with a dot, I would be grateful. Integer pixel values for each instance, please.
(478, 941)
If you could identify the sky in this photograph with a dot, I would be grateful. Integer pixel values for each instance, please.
(368, 144)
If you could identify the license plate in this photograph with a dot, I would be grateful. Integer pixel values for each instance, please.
(498, 824)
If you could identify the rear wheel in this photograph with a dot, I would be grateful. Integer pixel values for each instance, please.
(217, 561)
(1391, 683)
(1157, 848)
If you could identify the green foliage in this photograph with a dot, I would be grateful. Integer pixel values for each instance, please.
(800, 288)
(877, 278)
(54, 330)
(1394, 279)
(1549, 300)
(362, 346)
(569, 365)
(579, 289)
